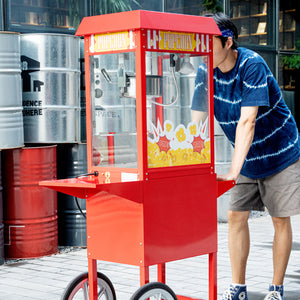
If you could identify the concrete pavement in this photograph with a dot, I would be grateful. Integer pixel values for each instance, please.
(45, 278)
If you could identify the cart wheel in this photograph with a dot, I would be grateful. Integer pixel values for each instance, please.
(79, 288)
(154, 290)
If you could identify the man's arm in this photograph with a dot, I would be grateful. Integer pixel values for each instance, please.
(198, 116)
(243, 140)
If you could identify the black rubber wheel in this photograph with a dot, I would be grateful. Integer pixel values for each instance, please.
(78, 288)
(154, 290)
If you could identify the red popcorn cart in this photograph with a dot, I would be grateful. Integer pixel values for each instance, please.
(151, 191)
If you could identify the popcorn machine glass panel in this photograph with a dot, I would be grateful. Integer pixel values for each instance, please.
(173, 138)
(113, 107)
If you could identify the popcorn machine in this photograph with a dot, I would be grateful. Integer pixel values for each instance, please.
(151, 189)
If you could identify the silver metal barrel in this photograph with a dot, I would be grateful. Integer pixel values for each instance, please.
(51, 88)
(11, 120)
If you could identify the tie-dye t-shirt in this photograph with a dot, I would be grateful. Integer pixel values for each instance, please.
(276, 142)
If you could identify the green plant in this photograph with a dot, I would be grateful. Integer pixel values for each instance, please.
(111, 6)
(292, 61)
(212, 6)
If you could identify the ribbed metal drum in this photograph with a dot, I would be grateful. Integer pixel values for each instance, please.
(1, 222)
(71, 162)
(30, 211)
(11, 120)
(51, 88)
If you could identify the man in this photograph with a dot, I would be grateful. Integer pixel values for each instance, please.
(265, 164)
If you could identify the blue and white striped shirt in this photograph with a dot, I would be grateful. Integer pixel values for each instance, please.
(276, 142)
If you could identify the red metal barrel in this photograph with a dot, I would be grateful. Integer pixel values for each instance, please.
(30, 211)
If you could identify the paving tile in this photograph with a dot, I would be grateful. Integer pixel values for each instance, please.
(47, 277)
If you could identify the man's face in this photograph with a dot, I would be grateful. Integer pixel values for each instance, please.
(220, 53)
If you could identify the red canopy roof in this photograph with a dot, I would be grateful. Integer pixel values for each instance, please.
(139, 19)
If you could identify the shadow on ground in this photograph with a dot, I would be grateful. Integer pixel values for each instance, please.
(287, 296)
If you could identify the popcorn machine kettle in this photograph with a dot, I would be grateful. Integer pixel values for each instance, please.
(151, 189)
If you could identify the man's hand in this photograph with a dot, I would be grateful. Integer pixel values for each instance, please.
(198, 116)
(226, 177)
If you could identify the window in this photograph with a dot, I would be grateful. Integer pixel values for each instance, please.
(45, 16)
(253, 20)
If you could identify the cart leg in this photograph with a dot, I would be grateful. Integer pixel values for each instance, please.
(92, 277)
(161, 273)
(144, 275)
(213, 276)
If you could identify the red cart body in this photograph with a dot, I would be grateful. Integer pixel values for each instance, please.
(159, 203)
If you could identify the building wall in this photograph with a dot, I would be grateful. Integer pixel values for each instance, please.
(270, 27)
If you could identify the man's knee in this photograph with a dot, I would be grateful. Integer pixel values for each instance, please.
(237, 218)
(281, 222)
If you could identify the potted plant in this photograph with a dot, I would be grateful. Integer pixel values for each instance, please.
(291, 67)
(212, 6)
(291, 62)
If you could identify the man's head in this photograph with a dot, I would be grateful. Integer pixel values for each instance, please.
(225, 45)
(227, 28)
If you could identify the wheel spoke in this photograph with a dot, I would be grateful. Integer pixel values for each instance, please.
(101, 292)
(158, 296)
(85, 290)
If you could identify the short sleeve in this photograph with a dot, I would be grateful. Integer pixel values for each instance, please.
(255, 91)
(199, 101)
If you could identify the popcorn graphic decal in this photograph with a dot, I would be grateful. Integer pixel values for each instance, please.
(170, 146)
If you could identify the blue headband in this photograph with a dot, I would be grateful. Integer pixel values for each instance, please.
(226, 32)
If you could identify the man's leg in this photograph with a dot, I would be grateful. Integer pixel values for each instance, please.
(239, 244)
(282, 246)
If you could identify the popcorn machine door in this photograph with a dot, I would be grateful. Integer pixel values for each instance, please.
(176, 137)
(113, 109)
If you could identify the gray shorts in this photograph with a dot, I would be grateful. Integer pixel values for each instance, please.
(279, 193)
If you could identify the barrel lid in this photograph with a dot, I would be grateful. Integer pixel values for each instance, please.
(9, 32)
(49, 34)
(39, 146)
